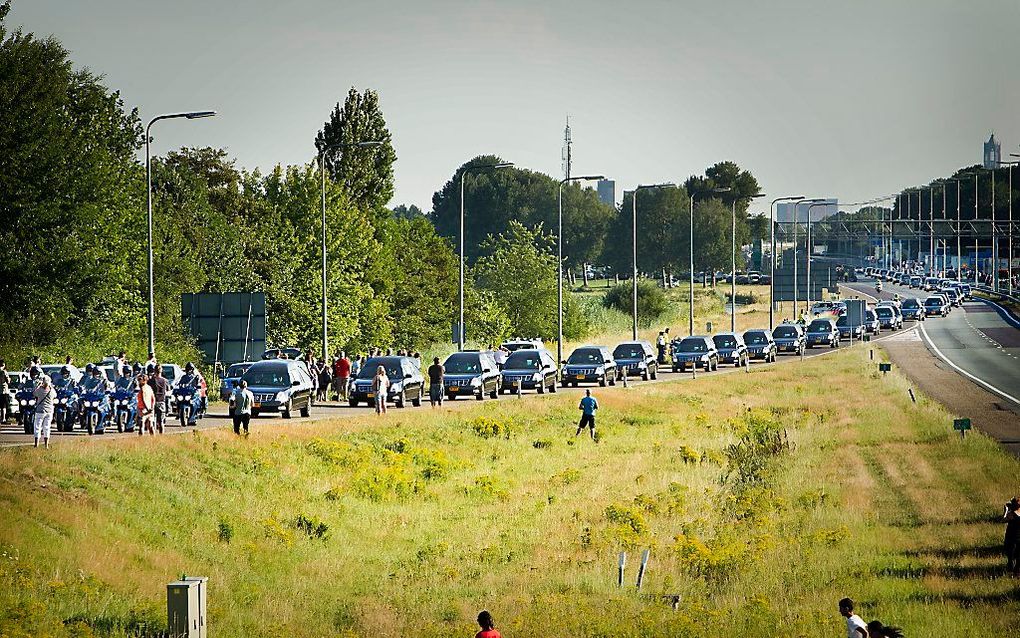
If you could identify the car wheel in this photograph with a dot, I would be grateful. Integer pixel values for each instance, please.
(254, 413)
(352, 402)
(287, 409)
(644, 375)
(602, 381)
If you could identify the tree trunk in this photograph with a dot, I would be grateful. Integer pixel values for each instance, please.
(584, 274)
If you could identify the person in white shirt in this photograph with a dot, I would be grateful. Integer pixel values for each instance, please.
(855, 627)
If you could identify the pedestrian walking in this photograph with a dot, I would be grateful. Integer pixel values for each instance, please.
(660, 345)
(588, 407)
(146, 406)
(855, 627)
(45, 400)
(1011, 542)
(877, 630)
(241, 401)
(5, 388)
(341, 377)
(380, 386)
(160, 391)
(500, 355)
(488, 626)
(436, 374)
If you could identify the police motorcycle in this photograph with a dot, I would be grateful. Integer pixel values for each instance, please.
(26, 401)
(96, 407)
(68, 403)
(125, 399)
(189, 404)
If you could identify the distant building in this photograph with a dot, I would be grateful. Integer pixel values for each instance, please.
(819, 211)
(607, 191)
(993, 152)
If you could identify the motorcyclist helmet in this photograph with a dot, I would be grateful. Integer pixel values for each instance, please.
(189, 367)
(65, 372)
(150, 369)
(137, 368)
(126, 371)
(88, 368)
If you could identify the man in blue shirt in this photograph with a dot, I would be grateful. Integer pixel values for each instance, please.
(587, 407)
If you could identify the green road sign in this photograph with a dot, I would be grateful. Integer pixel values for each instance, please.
(884, 367)
(961, 424)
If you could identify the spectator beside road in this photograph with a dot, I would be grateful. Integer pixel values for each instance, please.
(588, 407)
(242, 400)
(160, 390)
(341, 377)
(380, 385)
(5, 398)
(152, 363)
(660, 345)
(436, 374)
(488, 626)
(45, 398)
(1011, 542)
(855, 627)
(500, 354)
(146, 406)
(34, 369)
(325, 378)
(71, 369)
(119, 363)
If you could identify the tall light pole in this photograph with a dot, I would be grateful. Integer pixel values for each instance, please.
(690, 298)
(995, 240)
(796, 217)
(559, 262)
(463, 173)
(1009, 230)
(959, 257)
(809, 250)
(772, 264)
(322, 181)
(733, 260)
(189, 115)
(634, 273)
(975, 226)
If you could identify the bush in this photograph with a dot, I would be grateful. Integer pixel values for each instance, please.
(491, 428)
(651, 300)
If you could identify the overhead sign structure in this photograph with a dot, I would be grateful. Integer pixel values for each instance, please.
(229, 327)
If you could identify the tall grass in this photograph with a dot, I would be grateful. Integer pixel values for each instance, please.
(763, 498)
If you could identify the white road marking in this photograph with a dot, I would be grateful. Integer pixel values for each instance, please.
(970, 376)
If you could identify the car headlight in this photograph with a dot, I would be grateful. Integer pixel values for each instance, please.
(476, 381)
(281, 396)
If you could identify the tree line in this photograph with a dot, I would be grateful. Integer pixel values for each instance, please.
(72, 203)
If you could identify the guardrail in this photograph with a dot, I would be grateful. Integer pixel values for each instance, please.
(988, 290)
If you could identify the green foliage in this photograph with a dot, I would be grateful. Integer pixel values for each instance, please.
(762, 439)
(651, 300)
(312, 527)
(225, 531)
(488, 428)
(663, 220)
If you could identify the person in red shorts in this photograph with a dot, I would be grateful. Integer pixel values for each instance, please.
(488, 626)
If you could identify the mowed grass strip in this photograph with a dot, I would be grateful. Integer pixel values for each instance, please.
(763, 497)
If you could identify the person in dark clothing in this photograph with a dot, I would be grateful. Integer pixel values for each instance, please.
(488, 626)
(877, 630)
(588, 407)
(5, 398)
(160, 389)
(1011, 542)
(436, 374)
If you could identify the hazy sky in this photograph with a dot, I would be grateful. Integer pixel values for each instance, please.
(820, 98)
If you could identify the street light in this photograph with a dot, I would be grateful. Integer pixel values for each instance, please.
(690, 299)
(463, 173)
(189, 115)
(733, 260)
(1009, 228)
(808, 250)
(559, 261)
(796, 205)
(634, 249)
(772, 265)
(322, 177)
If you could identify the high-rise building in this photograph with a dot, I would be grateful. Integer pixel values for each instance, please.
(993, 152)
(607, 191)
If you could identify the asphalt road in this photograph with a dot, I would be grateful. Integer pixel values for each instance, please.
(12, 435)
(979, 340)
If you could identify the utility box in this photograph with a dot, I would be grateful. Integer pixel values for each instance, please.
(186, 607)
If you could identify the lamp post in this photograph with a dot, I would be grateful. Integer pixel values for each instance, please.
(808, 251)
(559, 263)
(1009, 227)
(796, 205)
(690, 299)
(189, 115)
(733, 260)
(772, 264)
(634, 273)
(463, 173)
(322, 181)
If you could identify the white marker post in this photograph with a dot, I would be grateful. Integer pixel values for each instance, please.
(623, 566)
(644, 565)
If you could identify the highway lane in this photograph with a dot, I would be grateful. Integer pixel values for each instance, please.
(980, 341)
(12, 435)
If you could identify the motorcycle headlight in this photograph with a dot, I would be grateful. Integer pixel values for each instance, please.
(179, 397)
(23, 402)
(31, 401)
(63, 401)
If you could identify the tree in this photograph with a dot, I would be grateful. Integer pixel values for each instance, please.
(404, 211)
(663, 216)
(712, 236)
(366, 173)
(741, 183)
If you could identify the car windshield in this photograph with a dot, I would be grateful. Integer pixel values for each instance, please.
(271, 376)
(693, 345)
(514, 347)
(724, 341)
(628, 351)
(884, 311)
(910, 303)
(585, 355)
(819, 326)
(371, 367)
(236, 370)
(786, 332)
(755, 338)
(933, 301)
(461, 363)
(523, 360)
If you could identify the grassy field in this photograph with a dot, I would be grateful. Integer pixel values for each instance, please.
(763, 497)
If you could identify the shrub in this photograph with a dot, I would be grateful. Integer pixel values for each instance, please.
(700, 559)
(491, 428)
(652, 302)
(627, 517)
(542, 444)
(225, 531)
(311, 527)
(762, 438)
(567, 476)
(689, 454)
(488, 487)
(384, 483)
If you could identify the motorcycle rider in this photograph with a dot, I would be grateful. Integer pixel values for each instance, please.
(193, 379)
(126, 380)
(95, 381)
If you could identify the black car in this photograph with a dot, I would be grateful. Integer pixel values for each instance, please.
(636, 358)
(912, 308)
(406, 382)
(789, 338)
(592, 364)
(279, 385)
(731, 348)
(822, 332)
(471, 373)
(526, 369)
(760, 345)
(694, 352)
(846, 331)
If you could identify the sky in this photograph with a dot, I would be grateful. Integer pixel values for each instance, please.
(852, 100)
